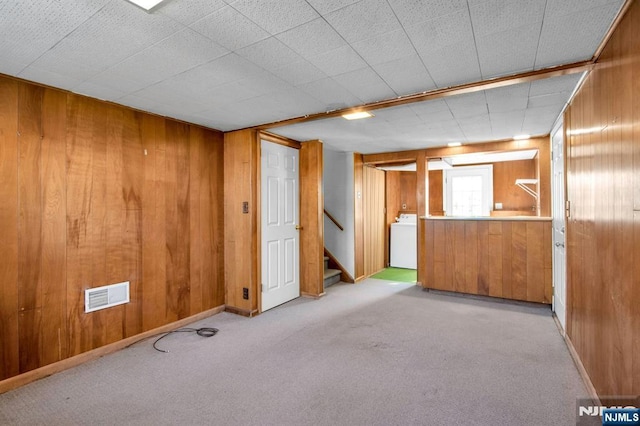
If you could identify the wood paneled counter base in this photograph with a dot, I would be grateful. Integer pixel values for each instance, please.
(500, 257)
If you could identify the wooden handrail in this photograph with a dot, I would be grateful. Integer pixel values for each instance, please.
(333, 219)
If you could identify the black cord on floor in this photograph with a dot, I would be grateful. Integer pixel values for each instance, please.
(204, 332)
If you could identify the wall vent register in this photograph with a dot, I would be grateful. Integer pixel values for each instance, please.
(105, 297)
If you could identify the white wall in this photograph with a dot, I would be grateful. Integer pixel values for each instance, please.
(339, 201)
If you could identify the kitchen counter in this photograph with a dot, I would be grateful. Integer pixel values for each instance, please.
(506, 257)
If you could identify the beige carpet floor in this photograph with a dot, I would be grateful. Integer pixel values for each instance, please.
(374, 353)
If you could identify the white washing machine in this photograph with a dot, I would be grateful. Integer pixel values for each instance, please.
(404, 242)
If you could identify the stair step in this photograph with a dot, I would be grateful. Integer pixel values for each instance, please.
(331, 276)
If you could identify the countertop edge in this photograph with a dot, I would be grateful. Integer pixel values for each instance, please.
(496, 218)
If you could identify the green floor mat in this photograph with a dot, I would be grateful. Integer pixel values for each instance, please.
(397, 274)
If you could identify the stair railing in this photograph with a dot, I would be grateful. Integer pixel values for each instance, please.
(334, 220)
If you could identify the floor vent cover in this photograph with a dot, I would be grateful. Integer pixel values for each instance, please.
(106, 296)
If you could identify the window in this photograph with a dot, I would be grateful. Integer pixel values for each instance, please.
(468, 191)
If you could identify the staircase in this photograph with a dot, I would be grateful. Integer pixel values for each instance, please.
(331, 276)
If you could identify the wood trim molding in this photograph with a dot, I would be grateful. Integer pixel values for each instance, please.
(48, 370)
(525, 77)
(242, 312)
(581, 370)
(312, 295)
(280, 140)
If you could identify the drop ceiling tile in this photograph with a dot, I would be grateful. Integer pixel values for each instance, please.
(437, 34)
(295, 102)
(29, 29)
(365, 84)
(568, 7)
(230, 28)
(115, 81)
(411, 12)
(270, 54)
(114, 33)
(338, 61)
(312, 39)
(539, 121)
(508, 52)
(49, 78)
(142, 104)
(406, 75)
(276, 16)
(385, 47)
(437, 116)
(510, 123)
(453, 65)
(188, 12)
(187, 49)
(494, 16)
(325, 6)
(363, 20)
(475, 131)
(555, 99)
(574, 37)
(10, 67)
(430, 107)
(221, 119)
(565, 83)
(508, 98)
(197, 82)
(65, 66)
(331, 94)
(265, 83)
(99, 92)
(299, 72)
(222, 94)
(467, 105)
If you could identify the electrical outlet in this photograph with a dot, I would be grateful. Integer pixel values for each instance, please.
(245, 293)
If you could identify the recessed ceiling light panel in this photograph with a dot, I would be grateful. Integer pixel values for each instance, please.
(146, 4)
(521, 137)
(357, 115)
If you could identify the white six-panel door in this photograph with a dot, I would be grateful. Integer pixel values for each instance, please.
(280, 217)
(559, 254)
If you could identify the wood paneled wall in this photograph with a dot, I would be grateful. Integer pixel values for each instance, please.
(242, 230)
(501, 258)
(358, 211)
(436, 200)
(373, 197)
(311, 219)
(603, 229)
(401, 190)
(93, 194)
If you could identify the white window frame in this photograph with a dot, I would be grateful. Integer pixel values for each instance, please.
(485, 171)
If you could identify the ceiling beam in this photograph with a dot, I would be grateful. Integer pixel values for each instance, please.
(572, 68)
